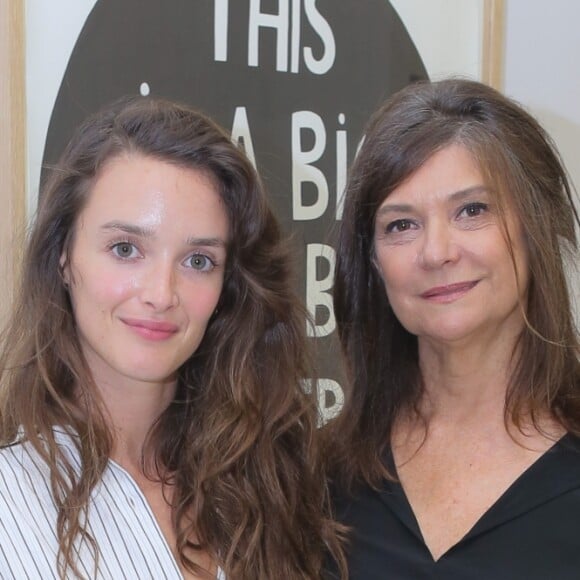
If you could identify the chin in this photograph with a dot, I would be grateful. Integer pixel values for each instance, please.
(140, 373)
(448, 333)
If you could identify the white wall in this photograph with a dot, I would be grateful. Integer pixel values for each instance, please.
(542, 72)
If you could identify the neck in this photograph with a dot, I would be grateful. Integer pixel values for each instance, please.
(467, 381)
(132, 410)
(465, 399)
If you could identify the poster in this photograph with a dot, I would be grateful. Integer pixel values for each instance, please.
(293, 80)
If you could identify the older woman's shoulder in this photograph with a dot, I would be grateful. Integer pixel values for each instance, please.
(568, 445)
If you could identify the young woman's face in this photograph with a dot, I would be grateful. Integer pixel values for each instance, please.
(443, 256)
(146, 268)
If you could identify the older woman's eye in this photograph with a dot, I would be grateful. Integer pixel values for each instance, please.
(200, 262)
(401, 225)
(473, 209)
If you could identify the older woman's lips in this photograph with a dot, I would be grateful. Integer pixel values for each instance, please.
(448, 293)
(151, 329)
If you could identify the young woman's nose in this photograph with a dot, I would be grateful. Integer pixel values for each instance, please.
(159, 288)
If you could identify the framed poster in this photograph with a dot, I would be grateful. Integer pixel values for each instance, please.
(12, 144)
(294, 80)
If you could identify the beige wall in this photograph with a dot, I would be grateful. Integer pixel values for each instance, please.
(12, 132)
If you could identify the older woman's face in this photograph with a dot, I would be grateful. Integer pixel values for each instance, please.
(146, 268)
(442, 253)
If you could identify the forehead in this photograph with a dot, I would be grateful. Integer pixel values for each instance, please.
(448, 171)
(153, 192)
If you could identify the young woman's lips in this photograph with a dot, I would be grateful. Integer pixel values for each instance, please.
(151, 329)
(448, 293)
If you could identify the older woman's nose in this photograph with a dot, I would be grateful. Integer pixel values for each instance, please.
(438, 246)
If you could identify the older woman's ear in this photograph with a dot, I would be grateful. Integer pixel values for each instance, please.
(375, 264)
(64, 267)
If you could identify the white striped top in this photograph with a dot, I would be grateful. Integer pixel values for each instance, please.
(130, 541)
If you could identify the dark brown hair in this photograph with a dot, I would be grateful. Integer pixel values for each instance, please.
(522, 168)
(238, 441)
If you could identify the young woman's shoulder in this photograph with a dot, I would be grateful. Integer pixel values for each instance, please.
(27, 513)
(22, 474)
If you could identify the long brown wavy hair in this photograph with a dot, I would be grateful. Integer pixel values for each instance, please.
(238, 442)
(522, 169)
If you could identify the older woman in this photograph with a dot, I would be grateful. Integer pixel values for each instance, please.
(151, 412)
(457, 455)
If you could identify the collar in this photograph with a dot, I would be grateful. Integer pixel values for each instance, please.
(553, 474)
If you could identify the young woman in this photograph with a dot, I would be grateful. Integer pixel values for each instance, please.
(457, 455)
(151, 413)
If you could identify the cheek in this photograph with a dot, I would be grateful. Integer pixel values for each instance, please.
(102, 287)
(394, 270)
(496, 255)
(397, 273)
(200, 302)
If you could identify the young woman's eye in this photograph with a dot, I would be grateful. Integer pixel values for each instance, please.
(474, 209)
(200, 262)
(401, 225)
(125, 250)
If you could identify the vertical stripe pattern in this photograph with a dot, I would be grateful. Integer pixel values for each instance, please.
(130, 541)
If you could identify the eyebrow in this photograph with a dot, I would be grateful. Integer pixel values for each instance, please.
(132, 229)
(456, 196)
(147, 232)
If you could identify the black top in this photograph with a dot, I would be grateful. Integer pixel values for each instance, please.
(532, 532)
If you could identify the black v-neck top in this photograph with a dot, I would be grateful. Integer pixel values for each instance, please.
(532, 532)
